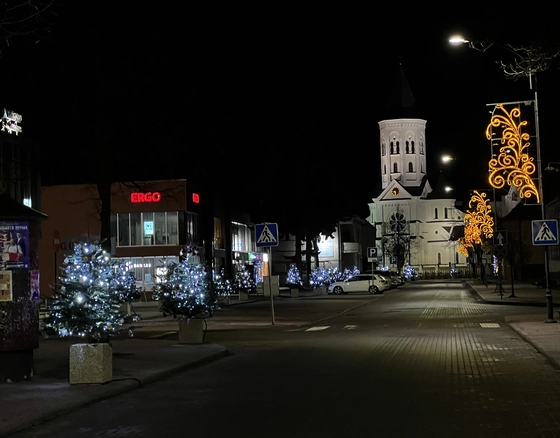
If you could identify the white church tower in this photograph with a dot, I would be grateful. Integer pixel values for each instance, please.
(415, 224)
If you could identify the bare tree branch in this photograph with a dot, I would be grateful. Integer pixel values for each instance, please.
(529, 60)
(24, 18)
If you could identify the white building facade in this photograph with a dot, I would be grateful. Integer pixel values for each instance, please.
(416, 224)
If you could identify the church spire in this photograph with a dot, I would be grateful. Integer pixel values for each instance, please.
(401, 102)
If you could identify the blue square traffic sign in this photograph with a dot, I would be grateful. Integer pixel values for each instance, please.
(371, 252)
(545, 232)
(266, 234)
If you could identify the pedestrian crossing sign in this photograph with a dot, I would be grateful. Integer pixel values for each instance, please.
(545, 232)
(266, 234)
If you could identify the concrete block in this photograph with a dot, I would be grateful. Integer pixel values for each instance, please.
(294, 292)
(91, 363)
(191, 331)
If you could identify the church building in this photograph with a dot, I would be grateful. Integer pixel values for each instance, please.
(417, 225)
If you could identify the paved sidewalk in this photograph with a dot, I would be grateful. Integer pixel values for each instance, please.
(137, 362)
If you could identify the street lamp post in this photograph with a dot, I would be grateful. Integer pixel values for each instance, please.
(528, 68)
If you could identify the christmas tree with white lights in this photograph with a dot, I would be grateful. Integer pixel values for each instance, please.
(88, 298)
(294, 276)
(243, 280)
(223, 285)
(185, 288)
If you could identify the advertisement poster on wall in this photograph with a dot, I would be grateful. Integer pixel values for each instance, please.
(6, 286)
(14, 244)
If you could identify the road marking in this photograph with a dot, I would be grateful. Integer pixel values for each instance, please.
(489, 325)
(318, 328)
(350, 327)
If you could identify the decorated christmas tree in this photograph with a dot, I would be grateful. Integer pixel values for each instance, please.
(223, 285)
(294, 277)
(88, 298)
(185, 289)
(243, 280)
(319, 277)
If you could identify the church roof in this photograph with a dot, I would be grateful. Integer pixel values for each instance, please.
(413, 191)
(439, 191)
(401, 104)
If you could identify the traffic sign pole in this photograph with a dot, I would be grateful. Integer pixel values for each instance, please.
(270, 284)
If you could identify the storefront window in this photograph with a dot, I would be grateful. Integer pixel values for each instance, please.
(173, 228)
(192, 228)
(123, 230)
(160, 228)
(136, 232)
(146, 229)
(241, 237)
(146, 269)
(218, 235)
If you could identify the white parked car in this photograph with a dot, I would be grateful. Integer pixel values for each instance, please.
(360, 283)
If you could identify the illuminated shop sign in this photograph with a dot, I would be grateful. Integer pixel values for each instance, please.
(195, 198)
(145, 197)
(10, 122)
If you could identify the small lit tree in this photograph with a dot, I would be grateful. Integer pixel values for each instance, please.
(294, 276)
(88, 297)
(184, 288)
(243, 280)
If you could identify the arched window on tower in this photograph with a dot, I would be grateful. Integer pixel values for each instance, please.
(384, 169)
(410, 168)
(421, 148)
(412, 144)
(435, 213)
(383, 148)
(392, 146)
(398, 148)
(407, 150)
(395, 168)
(445, 213)
(439, 258)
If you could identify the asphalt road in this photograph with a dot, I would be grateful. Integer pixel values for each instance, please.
(425, 360)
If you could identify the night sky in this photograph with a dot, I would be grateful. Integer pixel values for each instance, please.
(152, 88)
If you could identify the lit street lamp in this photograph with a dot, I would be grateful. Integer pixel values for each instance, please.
(529, 61)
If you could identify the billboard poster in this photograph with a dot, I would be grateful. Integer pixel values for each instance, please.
(14, 244)
(6, 286)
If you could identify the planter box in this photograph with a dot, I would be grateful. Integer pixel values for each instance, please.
(243, 295)
(294, 292)
(91, 363)
(191, 331)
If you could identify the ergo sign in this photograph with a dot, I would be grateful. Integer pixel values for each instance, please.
(137, 197)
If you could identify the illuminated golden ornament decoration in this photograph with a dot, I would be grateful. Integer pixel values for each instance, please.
(513, 166)
(478, 222)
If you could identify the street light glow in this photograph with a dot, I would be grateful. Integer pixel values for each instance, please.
(446, 158)
(457, 39)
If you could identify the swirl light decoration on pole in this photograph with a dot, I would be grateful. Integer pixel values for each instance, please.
(529, 60)
(478, 223)
(513, 165)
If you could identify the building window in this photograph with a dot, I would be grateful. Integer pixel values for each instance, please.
(241, 238)
(398, 148)
(439, 258)
(384, 169)
(445, 213)
(435, 213)
(395, 168)
(407, 150)
(147, 229)
(383, 148)
(192, 225)
(410, 168)
(218, 234)
(412, 144)
(147, 269)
